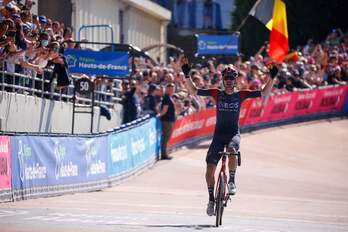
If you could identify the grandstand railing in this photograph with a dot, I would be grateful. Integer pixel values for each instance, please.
(44, 88)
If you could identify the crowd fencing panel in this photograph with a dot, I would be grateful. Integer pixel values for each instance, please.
(41, 165)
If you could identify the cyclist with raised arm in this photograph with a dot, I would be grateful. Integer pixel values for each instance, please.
(226, 134)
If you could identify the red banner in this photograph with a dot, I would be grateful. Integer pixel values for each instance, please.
(5, 163)
(196, 125)
(254, 111)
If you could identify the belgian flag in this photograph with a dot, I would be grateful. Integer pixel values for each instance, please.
(263, 11)
(275, 21)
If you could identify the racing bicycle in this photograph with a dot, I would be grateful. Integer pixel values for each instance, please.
(221, 194)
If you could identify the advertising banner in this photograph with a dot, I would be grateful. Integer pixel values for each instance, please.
(257, 110)
(278, 107)
(133, 147)
(217, 44)
(252, 111)
(330, 99)
(195, 125)
(97, 63)
(39, 161)
(5, 163)
(290, 105)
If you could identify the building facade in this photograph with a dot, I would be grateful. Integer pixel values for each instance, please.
(138, 22)
(190, 17)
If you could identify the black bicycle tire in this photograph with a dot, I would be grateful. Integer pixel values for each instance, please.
(219, 201)
(222, 189)
(217, 216)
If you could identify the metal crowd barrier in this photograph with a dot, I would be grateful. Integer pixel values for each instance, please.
(42, 87)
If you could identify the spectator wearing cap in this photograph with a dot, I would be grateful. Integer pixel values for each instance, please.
(44, 39)
(42, 22)
(167, 117)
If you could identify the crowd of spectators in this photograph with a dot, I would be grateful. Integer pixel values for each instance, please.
(29, 43)
(309, 67)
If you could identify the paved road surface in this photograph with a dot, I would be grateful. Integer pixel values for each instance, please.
(293, 178)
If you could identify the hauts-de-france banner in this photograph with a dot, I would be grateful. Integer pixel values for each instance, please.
(217, 44)
(97, 62)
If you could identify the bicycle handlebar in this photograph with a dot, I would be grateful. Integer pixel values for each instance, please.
(232, 153)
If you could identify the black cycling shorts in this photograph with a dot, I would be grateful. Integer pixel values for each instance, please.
(219, 143)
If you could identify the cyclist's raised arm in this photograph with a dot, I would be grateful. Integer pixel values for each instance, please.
(190, 86)
(266, 90)
(186, 68)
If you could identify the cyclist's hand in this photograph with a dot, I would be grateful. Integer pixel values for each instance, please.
(186, 68)
(273, 71)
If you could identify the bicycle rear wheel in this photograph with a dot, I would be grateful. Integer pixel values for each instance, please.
(219, 198)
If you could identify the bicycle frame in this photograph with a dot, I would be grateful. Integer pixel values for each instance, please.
(222, 173)
(221, 197)
(221, 191)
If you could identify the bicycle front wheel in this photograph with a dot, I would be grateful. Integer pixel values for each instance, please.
(219, 198)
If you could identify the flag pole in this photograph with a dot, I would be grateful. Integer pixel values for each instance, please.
(242, 23)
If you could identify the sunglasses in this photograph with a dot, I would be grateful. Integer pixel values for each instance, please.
(229, 78)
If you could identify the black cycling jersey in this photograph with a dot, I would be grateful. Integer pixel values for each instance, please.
(228, 108)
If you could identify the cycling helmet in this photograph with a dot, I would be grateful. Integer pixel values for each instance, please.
(230, 72)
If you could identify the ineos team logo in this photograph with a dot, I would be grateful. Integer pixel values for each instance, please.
(224, 106)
